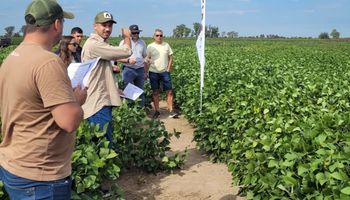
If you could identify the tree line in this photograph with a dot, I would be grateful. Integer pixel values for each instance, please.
(10, 31)
(182, 31)
(335, 35)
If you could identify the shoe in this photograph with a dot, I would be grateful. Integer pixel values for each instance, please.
(156, 115)
(173, 115)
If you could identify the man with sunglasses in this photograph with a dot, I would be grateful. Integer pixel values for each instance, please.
(133, 67)
(160, 59)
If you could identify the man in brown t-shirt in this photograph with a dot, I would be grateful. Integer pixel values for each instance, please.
(39, 110)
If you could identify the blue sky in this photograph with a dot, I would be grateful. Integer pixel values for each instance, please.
(307, 18)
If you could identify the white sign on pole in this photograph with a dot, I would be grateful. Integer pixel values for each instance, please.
(201, 50)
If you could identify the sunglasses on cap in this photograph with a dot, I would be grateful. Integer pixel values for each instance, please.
(159, 35)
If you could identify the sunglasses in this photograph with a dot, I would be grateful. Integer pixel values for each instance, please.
(135, 33)
(159, 35)
(74, 44)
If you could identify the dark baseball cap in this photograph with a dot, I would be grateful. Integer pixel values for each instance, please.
(134, 28)
(103, 17)
(45, 12)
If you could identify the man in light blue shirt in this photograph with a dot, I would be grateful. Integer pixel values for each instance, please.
(133, 70)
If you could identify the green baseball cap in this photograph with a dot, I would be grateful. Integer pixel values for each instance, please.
(103, 17)
(45, 12)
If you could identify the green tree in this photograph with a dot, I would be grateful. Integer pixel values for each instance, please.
(212, 31)
(9, 31)
(335, 34)
(181, 31)
(196, 28)
(223, 34)
(232, 34)
(323, 35)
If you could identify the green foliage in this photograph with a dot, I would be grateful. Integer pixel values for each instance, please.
(92, 162)
(323, 35)
(9, 31)
(276, 112)
(4, 52)
(138, 141)
(142, 142)
(335, 34)
(181, 31)
(232, 34)
(3, 194)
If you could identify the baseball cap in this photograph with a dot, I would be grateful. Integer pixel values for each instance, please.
(45, 12)
(103, 17)
(134, 28)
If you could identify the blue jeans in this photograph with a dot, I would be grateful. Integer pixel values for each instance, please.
(101, 118)
(24, 189)
(156, 78)
(136, 77)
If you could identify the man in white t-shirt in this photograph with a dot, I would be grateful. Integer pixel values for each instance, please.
(160, 58)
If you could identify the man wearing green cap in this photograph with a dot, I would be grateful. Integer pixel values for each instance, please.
(103, 92)
(39, 110)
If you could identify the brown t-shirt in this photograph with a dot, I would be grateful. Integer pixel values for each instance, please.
(32, 81)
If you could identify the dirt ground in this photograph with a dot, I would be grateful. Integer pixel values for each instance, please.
(198, 180)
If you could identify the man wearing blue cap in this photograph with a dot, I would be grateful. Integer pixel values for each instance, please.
(134, 66)
(39, 110)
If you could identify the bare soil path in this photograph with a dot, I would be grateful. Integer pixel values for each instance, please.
(199, 179)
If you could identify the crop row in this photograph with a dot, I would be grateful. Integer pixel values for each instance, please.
(277, 112)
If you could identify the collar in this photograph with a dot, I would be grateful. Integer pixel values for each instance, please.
(97, 37)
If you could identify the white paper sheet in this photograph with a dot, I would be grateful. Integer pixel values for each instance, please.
(79, 73)
(132, 92)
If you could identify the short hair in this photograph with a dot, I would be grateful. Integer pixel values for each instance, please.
(76, 30)
(158, 30)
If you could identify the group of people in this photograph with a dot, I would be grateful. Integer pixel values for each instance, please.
(40, 110)
(69, 49)
(154, 62)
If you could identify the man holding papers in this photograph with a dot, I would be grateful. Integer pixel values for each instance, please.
(103, 93)
(133, 67)
(40, 110)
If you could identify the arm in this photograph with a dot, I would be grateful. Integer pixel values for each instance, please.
(146, 68)
(55, 90)
(108, 52)
(170, 63)
(97, 48)
(69, 115)
(128, 60)
(126, 34)
(124, 60)
(147, 61)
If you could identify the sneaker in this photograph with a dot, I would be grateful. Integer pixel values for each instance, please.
(156, 115)
(173, 115)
